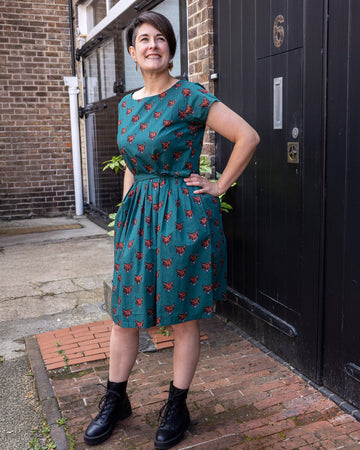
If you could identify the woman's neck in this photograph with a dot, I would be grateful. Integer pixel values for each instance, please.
(155, 84)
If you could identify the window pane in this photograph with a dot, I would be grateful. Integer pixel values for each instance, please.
(170, 9)
(112, 3)
(133, 79)
(99, 10)
(91, 79)
(107, 69)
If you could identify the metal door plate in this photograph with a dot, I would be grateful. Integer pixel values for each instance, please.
(293, 152)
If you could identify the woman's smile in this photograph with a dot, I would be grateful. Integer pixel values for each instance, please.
(151, 50)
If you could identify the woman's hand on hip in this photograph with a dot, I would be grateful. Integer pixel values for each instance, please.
(206, 186)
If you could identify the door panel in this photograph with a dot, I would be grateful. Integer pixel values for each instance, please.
(274, 232)
(279, 194)
(342, 269)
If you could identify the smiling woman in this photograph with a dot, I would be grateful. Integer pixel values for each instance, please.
(152, 44)
(170, 249)
(150, 51)
(175, 11)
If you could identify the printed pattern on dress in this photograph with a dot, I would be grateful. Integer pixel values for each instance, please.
(170, 249)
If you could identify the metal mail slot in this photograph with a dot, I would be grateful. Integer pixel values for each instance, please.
(278, 104)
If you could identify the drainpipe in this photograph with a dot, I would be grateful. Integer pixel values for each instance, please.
(72, 41)
(73, 84)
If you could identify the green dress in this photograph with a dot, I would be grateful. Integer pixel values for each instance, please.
(170, 249)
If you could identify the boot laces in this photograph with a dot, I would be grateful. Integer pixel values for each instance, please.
(167, 413)
(107, 400)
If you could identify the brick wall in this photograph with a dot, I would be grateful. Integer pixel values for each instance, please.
(201, 54)
(36, 160)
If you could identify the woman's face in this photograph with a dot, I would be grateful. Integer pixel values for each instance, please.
(151, 50)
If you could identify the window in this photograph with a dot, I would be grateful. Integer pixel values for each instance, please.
(100, 75)
(92, 12)
(107, 69)
(111, 3)
(91, 78)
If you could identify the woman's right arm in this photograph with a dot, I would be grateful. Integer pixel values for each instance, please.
(128, 181)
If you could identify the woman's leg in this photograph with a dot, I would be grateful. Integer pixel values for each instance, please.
(124, 346)
(115, 404)
(186, 352)
(176, 417)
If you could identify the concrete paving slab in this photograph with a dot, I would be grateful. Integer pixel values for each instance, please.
(49, 280)
(88, 228)
(12, 333)
(20, 408)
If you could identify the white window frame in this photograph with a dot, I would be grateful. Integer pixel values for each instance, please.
(87, 29)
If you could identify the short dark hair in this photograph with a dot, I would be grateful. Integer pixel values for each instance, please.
(159, 22)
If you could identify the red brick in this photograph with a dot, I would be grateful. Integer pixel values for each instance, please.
(84, 359)
(166, 344)
(56, 365)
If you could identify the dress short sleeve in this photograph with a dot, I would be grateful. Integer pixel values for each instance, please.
(200, 101)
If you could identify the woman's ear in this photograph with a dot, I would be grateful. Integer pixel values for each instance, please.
(132, 53)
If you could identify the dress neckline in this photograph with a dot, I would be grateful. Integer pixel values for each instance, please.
(156, 95)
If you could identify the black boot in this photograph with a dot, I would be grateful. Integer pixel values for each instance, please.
(175, 418)
(114, 406)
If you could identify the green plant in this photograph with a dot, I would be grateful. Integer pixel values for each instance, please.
(71, 438)
(64, 357)
(41, 439)
(116, 163)
(205, 165)
(163, 331)
(62, 421)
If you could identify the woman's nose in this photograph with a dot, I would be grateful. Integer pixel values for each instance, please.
(152, 42)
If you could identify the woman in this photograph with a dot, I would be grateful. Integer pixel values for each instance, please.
(170, 252)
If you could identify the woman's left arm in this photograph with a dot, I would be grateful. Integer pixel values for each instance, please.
(233, 127)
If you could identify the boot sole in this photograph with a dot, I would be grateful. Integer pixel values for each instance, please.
(164, 445)
(95, 440)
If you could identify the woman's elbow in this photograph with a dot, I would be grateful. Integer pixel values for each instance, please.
(255, 139)
(251, 140)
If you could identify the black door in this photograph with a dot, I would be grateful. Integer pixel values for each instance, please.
(342, 274)
(269, 59)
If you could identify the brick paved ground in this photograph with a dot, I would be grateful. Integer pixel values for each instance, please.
(89, 342)
(241, 398)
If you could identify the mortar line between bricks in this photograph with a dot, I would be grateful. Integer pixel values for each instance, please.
(207, 442)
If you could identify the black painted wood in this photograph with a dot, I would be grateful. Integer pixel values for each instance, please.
(274, 233)
(342, 269)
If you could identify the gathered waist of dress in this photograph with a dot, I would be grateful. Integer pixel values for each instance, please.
(149, 176)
